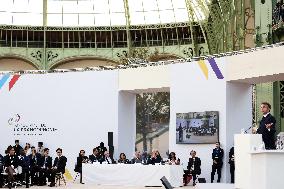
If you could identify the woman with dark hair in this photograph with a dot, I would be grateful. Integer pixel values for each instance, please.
(173, 160)
(80, 160)
(122, 159)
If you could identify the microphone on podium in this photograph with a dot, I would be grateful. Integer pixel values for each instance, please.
(246, 131)
(243, 131)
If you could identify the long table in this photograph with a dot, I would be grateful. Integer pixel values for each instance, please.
(132, 174)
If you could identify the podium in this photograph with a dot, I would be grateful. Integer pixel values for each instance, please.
(244, 145)
(267, 169)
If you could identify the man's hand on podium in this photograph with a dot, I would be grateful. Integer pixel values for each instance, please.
(254, 130)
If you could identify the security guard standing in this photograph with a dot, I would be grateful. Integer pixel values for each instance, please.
(217, 157)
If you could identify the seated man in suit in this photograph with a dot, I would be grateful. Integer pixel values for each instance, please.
(11, 163)
(58, 166)
(1, 170)
(95, 156)
(193, 168)
(34, 166)
(24, 162)
(45, 167)
(137, 158)
(107, 159)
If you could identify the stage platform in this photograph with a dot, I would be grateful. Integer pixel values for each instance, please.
(214, 186)
(92, 186)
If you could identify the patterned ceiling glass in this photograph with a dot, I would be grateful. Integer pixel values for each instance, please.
(101, 12)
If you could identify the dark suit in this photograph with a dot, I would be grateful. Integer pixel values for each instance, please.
(217, 156)
(268, 135)
(60, 164)
(34, 168)
(153, 161)
(232, 164)
(45, 164)
(78, 167)
(18, 149)
(94, 158)
(102, 149)
(193, 168)
(136, 160)
(24, 162)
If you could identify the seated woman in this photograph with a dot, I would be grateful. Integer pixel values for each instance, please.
(173, 160)
(122, 159)
(137, 158)
(194, 164)
(80, 160)
(155, 157)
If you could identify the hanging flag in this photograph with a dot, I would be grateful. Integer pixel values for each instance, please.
(4, 80)
(215, 68)
(13, 81)
(203, 67)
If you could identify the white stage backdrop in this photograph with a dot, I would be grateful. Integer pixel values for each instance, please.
(72, 111)
(191, 91)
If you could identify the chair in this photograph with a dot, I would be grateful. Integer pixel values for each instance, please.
(58, 178)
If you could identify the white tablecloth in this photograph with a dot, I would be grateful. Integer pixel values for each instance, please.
(132, 174)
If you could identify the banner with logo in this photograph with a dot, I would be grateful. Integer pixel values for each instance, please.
(72, 111)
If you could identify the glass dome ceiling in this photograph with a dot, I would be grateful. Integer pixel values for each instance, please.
(101, 12)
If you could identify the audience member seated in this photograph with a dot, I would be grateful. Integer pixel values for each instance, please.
(145, 158)
(28, 149)
(193, 168)
(155, 157)
(101, 149)
(34, 166)
(1, 170)
(24, 162)
(80, 159)
(137, 158)
(122, 159)
(107, 159)
(58, 166)
(173, 160)
(11, 163)
(95, 156)
(17, 147)
(45, 164)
